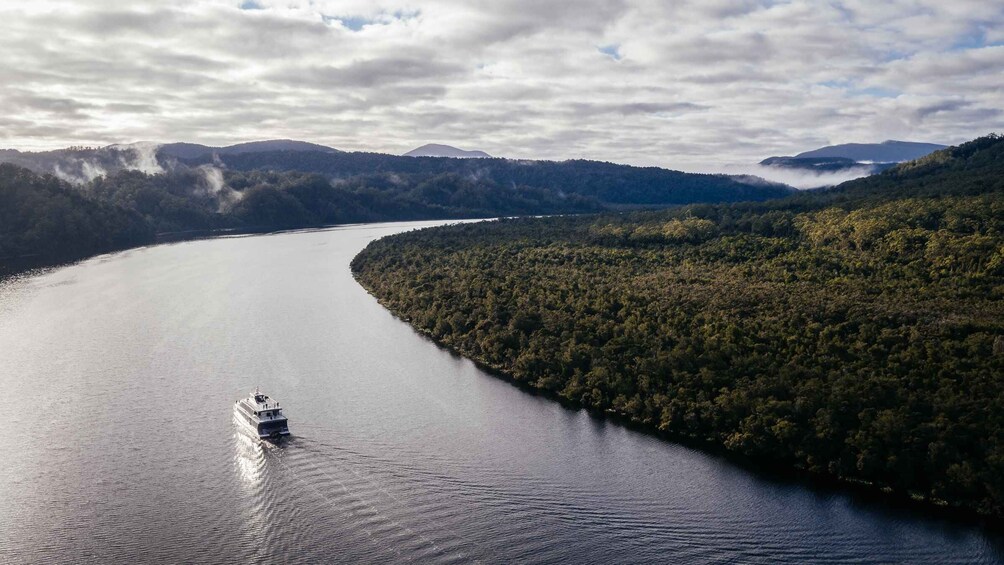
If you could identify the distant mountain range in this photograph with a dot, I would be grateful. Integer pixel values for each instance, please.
(890, 151)
(606, 184)
(192, 150)
(609, 184)
(868, 158)
(82, 164)
(144, 188)
(437, 150)
(120, 195)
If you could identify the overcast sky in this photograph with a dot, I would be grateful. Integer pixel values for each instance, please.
(688, 85)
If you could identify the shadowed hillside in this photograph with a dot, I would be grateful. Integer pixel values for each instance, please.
(44, 220)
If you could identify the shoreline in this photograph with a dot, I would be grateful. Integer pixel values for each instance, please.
(865, 491)
(163, 238)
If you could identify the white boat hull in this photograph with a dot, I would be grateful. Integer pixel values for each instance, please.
(270, 429)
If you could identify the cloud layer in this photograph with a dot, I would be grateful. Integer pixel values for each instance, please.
(690, 85)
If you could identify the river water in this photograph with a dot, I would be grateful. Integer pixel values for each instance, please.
(119, 375)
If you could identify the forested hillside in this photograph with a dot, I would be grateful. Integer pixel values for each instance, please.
(252, 186)
(183, 189)
(607, 183)
(208, 198)
(856, 333)
(44, 220)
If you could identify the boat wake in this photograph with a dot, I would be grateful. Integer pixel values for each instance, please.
(300, 492)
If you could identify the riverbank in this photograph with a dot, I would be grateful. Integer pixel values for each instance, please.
(14, 267)
(868, 492)
(853, 334)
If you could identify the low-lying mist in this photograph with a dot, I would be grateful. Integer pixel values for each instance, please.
(801, 179)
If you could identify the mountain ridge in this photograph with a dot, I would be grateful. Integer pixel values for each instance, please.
(834, 164)
(440, 150)
(191, 150)
(610, 183)
(79, 165)
(889, 151)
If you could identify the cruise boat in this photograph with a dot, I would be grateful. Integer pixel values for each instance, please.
(263, 415)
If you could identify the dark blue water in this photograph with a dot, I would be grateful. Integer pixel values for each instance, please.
(119, 375)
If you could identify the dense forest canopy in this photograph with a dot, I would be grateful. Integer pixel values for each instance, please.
(45, 220)
(856, 333)
(208, 197)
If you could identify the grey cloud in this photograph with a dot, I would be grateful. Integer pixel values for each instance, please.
(955, 111)
(22, 101)
(947, 66)
(188, 61)
(497, 21)
(11, 127)
(743, 75)
(747, 48)
(115, 22)
(658, 107)
(392, 95)
(945, 106)
(369, 73)
(88, 69)
(131, 108)
(635, 108)
(720, 9)
(509, 92)
(737, 80)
